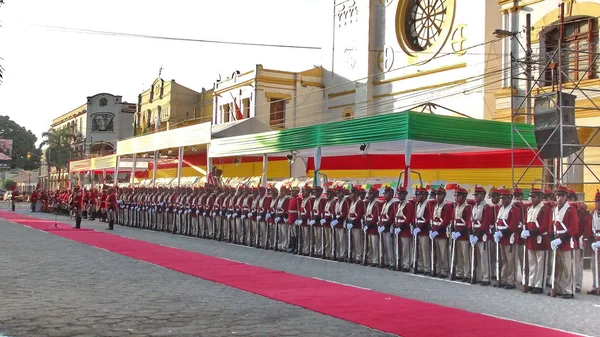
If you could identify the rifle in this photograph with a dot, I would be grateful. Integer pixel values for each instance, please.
(349, 242)
(299, 234)
(451, 228)
(553, 289)
(333, 241)
(415, 249)
(365, 241)
(596, 281)
(397, 251)
(473, 264)
(525, 276)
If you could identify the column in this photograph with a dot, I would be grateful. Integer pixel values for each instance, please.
(154, 168)
(134, 166)
(317, 179)
(117, 170)
(264, 172)
(179, 165)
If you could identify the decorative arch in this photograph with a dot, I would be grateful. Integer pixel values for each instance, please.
(348, 114)
(102, 148)
(577, 9)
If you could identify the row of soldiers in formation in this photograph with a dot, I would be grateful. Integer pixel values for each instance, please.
(503, 239)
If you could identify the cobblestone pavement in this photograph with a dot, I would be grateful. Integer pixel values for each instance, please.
(579, 315)
(50, 286)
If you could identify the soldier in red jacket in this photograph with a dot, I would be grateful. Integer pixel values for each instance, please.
(305, 236)
(536, 239)
(441, 219)
(372, 209)
(354, 225)
(460, 234)
(482, 218)
(593, 234)
(292, 216)
(341, 214)
(76, 204)
(111, 208)
(565, 226)
(326, 218)
(33, 199)
(507, 224)
(405, 217)
(385, 227)
(318, 240)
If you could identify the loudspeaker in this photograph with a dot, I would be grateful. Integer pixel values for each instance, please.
(547, 116)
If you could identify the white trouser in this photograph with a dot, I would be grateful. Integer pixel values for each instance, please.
(537, 264)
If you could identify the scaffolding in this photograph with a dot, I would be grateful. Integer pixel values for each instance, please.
(555, 76)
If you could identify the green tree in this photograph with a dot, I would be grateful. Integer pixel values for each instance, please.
(58, 149)
(8, 183)
(23, 143)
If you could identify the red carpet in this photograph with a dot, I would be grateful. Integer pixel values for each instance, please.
(365, 307)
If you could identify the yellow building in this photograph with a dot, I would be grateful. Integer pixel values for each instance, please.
(168, 104)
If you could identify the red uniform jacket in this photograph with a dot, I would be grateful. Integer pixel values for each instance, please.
(593, 228)
(292, 213)
(482, 218)
(341, 211)
(372, 209)
(77, 199)
(387, 214)
(356, 213)
(405, 216)
(565, 225)
(305, 209)
(462, 221)
(441, 218)
(423, 214)
(111, 202)
(329, 211)
(538, 226)
(507, 222)
(318, 209)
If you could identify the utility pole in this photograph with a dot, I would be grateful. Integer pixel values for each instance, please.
(528, 110)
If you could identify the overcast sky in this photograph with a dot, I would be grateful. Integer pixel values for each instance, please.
(50, 72)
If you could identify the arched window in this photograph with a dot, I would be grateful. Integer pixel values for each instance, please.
(579, 46)
(102, 121)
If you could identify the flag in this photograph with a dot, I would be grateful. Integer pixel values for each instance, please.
(238, 112)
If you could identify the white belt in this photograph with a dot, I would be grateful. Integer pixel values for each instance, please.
(561, 231)
(436, 223)
(501, 227)
(597, 234)
(327, 214)
(476, 224)
(460, 224)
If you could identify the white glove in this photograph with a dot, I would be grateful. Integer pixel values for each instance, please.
(249, 214)
(581, 246)
(455, 235)
(258, 218)
(334, 223)
(197, 212)
(474, 240)
(298, 222)
(555, 243)
(595, 246)
(365, 228)
(243, 217)
(380, 229)
(416, 231)
(433, 234)
(277, 219)
(204, 214)
(312, 222)
(525, 234)
(267, 216)
(397, 230)
(349, 225)
(323, 221)
(213, 213)
(228, 216)
(497, 236)
(235, 215)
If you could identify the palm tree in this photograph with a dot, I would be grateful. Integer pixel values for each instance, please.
(58, 148)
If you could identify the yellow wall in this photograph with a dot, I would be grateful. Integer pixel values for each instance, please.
(276, 170)
(496, 177)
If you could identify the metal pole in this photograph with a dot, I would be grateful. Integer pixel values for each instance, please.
(118, 161)
(561, 28)
(179, 165)
(264, 171)
(317, 179)
(512, 120)
(132, 177)
(154, 168)
(528, 118)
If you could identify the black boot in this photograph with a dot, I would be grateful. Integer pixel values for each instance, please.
(78, 222)
(290, 247)
(111, 225)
